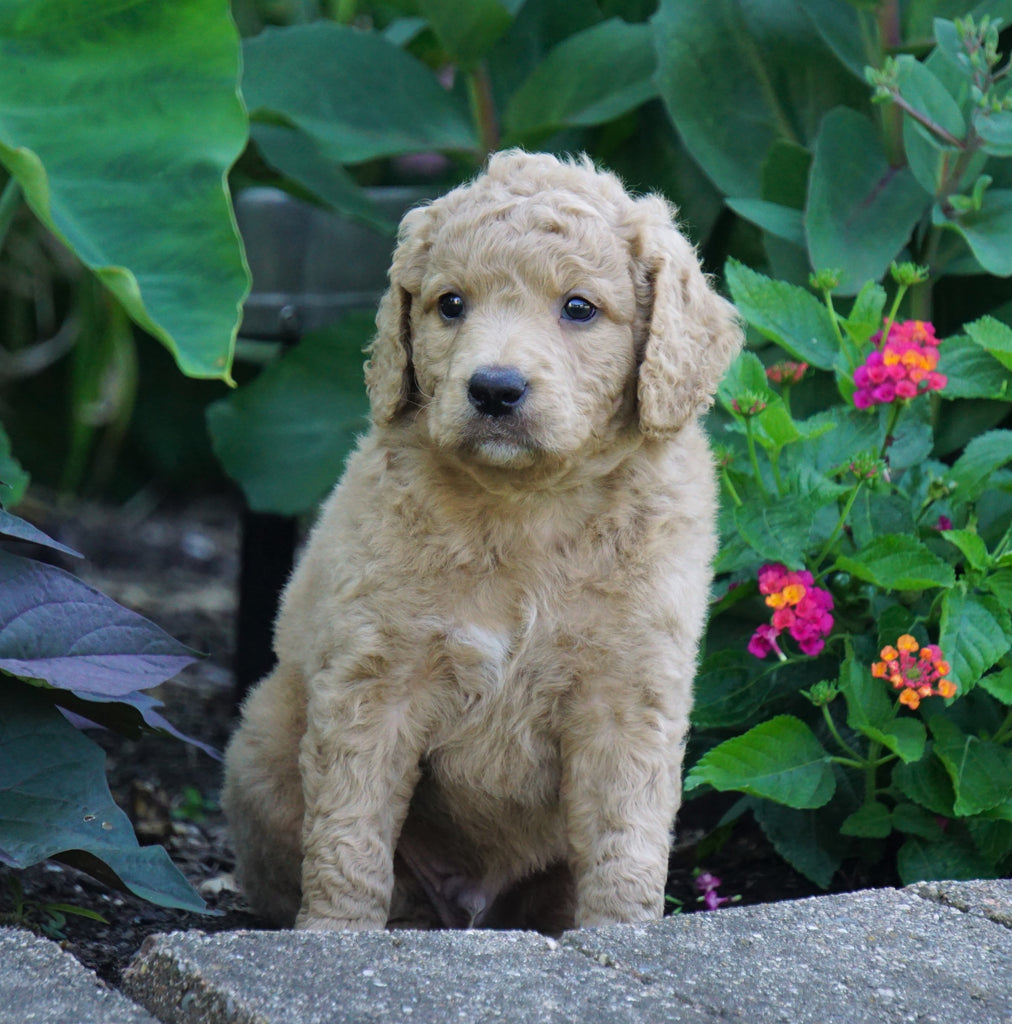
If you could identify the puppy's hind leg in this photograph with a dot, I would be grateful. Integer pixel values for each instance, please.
(262, 797)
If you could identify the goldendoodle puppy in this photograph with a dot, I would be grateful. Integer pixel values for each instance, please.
(486, 652)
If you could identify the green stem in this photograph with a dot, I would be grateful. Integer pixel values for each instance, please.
(831, 725)
(726, 477)
(775, 466)
(753, 456)
(894, 414)
(890, 34)
(893, 310)
(871, 771)
(10, 201)
(479, 87)
(840, 523)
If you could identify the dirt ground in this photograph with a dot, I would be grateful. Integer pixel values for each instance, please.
(177, 564)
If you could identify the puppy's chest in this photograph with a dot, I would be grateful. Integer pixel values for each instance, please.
(501, 687)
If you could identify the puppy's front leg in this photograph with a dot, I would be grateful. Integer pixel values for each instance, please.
(359, 762)
(620, 792)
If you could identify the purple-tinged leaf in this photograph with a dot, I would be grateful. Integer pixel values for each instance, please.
(55, 628)
(127, 716)
(19, 529)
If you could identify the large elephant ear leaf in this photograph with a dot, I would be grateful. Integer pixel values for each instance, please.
(119, 122)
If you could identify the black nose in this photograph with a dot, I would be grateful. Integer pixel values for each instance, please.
(496, 390)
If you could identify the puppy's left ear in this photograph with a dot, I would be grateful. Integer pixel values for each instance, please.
(389, 372)
(692, 334)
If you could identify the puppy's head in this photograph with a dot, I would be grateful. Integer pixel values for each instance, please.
(540, 312)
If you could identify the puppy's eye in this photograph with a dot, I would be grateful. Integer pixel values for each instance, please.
(451, 306)
(579, 309)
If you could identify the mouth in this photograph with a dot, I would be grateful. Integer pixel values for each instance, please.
(504, 442)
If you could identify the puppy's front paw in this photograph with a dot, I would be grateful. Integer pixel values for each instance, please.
(320, 923)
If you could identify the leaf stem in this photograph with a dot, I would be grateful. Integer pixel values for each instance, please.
(726, 478)
(752, 456)
(894, 414)
(831, 725)
(840, 523)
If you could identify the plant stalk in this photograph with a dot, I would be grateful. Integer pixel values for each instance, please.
(479, 87)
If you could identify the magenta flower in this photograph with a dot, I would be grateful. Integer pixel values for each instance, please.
(799, 608)
(902, 366)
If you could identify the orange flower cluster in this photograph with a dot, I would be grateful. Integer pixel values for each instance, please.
(916, 677)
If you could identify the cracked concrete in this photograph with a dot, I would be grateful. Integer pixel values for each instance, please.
(935, 953)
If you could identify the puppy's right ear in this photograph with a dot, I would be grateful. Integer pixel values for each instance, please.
(389, 372)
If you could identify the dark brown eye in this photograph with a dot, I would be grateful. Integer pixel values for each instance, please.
(451, 306)
(578, 309)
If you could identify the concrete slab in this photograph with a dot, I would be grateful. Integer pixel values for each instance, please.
(41, 984)
(885, 956)
(413, 977)
(880, 956)
(990, 899)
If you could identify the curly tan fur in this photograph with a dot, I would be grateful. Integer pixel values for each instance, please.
(486, 652)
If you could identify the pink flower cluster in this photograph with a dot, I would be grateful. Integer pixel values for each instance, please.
(900, 367)
(798, 606)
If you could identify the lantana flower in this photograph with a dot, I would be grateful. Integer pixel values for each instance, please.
(787, 372)
(917, 672)
(799, 607)
(901, 366)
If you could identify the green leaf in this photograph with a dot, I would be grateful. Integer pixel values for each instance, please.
(354, 93)
(746, 374)
(986, 230)
(592, 77)
(971, 472)
(897, 562)
(284, 437)
(919, 860)
(785, 174)
(916, 820)
(971, 372)
(975, 631)
(54, 799)
(871, 821)
(727, 691)
(792, 317)
(995, 131)
(861, 210)
(993, 337)
(737, 78)
(298, 157)
(1000, 584)
(999, 685)
(870, 712)
(865, 317)
(780, 530)
(929, 157)
(120, 122)
(926, 93)
(13, 478)
(980, 771)
(800, 838)
(779, 759)
(780, 221)
(468, 29)
(971, 545)
(927, 783)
